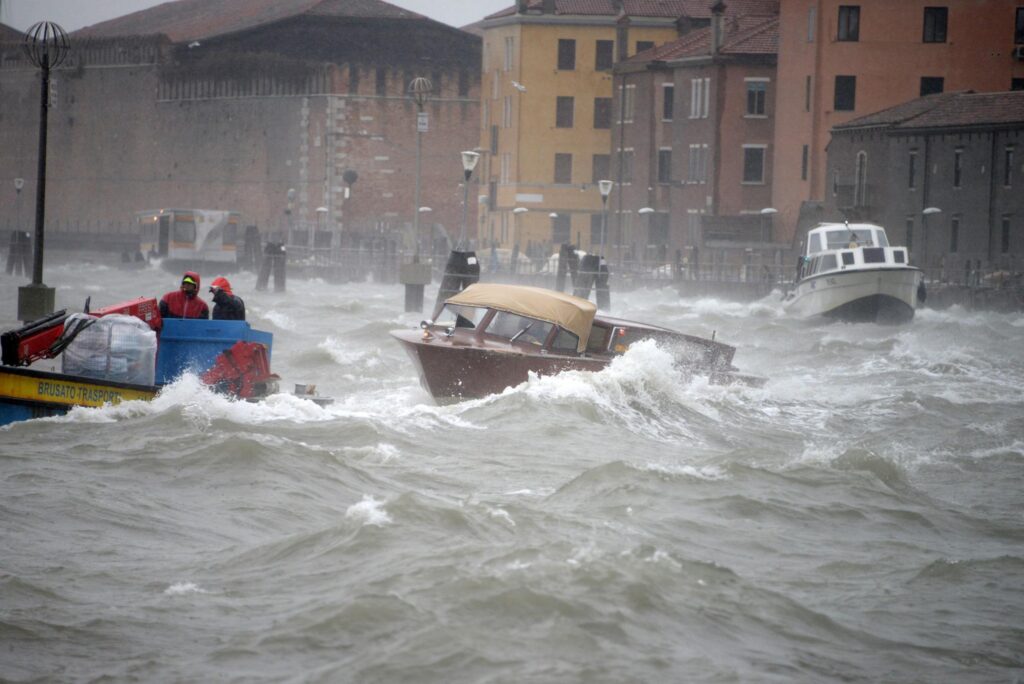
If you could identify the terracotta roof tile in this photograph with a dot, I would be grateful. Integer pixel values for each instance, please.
(947, 110)
(668, 9)
(186, 20)
(743, 36)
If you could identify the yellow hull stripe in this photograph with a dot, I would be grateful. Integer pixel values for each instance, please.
(65, 392)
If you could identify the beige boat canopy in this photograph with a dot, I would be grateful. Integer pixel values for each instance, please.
(572, 313)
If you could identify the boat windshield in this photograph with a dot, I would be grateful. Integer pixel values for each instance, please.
(460, 316)
(849, 239)
(516, 328)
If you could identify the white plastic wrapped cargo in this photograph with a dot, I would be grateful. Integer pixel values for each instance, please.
(115, 348)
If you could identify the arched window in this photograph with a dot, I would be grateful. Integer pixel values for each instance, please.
(860, 191)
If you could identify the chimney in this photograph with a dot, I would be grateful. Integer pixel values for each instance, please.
(622, 37)
(523, 6)
(717, 10)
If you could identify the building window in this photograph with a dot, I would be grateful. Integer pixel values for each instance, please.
(753, 163)
(566, 54)
(932, 85)
(912, 170)
(698, 164)
(846, 93)
(628, 104)
(495, 84)
(382, 81)
(1008, 166)
(1018, 27)
(506, 167)
(657, 229)
(1017, 84)
(506, 112)
(958, 168)
(626, 166)
(602, 112)
(849, 23)
(494, 140)
(463, 83)
(510, 44)
(563, 111)
(812, 19)
(909, 229)
(860, 190)
(563, 167)
(353, 79)
(644, 45)
(1006, 234)
(668, 93)
(561, 229)
(699, 97)
(804, 159)
(756, 94)
(935, 19)
(665, 165)
(492, 195)
(602, 167)
(807, 94)
(954, 232)
(604, 55)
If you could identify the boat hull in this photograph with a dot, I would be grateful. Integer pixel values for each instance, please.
(27, 393)
(882, 295)
(450, 371)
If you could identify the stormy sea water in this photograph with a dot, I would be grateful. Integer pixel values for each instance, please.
(857, 519)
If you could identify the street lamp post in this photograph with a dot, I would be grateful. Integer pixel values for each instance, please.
(419, 89)
(463, 268)
(648, 211)
(601, 282)
(469, 160)
(925, 213)
(513, 265)
(415, 276)
(767, 216)
(46, 46)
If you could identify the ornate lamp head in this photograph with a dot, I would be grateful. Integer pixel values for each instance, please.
(46, 45)
(420, 89)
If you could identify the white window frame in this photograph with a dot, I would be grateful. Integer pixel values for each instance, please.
(746, 89)
(506, 167)
(627, 107)
(510, 50)
(506, 112)
(664, 93)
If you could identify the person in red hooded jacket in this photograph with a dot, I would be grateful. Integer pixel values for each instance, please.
(227, 306)
(185, 301)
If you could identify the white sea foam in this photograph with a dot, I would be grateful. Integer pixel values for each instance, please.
(369, 511)
(279, 319)
(182, 588)
(349, 358)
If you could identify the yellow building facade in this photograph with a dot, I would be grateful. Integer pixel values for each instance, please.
(547, 122)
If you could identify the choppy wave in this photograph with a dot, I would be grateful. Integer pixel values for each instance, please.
(857, 518)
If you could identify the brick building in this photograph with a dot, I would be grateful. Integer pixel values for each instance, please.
(839, 60)
(548, 119)
(223, 105)
(698, 150)
(943, 173)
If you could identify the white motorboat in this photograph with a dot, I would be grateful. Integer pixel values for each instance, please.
(850, 272)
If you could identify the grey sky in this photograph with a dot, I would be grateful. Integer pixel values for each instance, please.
(74, 14)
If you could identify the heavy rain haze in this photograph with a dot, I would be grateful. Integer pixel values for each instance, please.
(74, 14)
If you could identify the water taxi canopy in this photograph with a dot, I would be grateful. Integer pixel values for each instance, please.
(571, 313)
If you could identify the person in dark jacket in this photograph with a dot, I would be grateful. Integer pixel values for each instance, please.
(185, 302)
(227, 306)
